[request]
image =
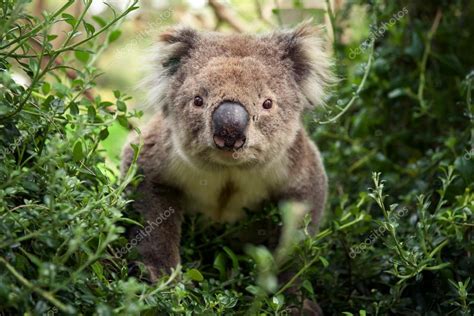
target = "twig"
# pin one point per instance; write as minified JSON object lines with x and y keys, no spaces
{"x":47,"y":295}
{"x":359,"y":89}
{"x":260,"y":13}
{"x":277,"y":7}
{"x":69,"y":72}
{"x":332,"y":20}
{"x":424,"y":60}
{"x":295,"y":277}
{"x":225,"y":14}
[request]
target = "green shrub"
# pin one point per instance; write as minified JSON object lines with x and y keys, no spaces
{"x":398,"y":233}
{"x":60,"y":204}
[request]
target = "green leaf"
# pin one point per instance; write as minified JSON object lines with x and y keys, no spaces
{"x":194,"y":275}
{"x":73,"y":108}
{"x":99,"y":20}
{"x":91,"y":113}
{"x":233,"y":257}
{"x":114,"y":36}
{"x":46,"y":88}
{"x":69,"y":19}
{"x":78,"y":151}
{"x":324,"y":261}
{"x":219,"y":264}
{"x":105,"y":104}
{"x":104,"y":134}
{"x":255,"y":290}
{"x":90,"y":29}
{"x":122,"y":120}
{"x":308,"y":286}
{"x":82,"y":56}
{"x":121,"y":106}
{"x":61,"y":89}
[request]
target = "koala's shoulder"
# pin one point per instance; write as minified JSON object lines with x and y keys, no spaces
{"x":305,"y":161}
{"x":154,"y":143}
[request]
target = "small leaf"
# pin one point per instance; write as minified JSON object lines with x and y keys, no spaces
{"x":219,"y":264}
{"x":69,"y":19}
{"x":99,"y":20}
{"x":78,"y":151}
{"x":105,"y":104}
{"x":104,"y":134}
{"x":91,"y":113}
{"x":122,"y":121}
{"x":121,"y":106}
{"x":90,"y":29}
{"x":114,"y":35}
{"x":255,"y":290}
{"x":82,"y":56}
{"x":308,"y":286}
{"x":396,"y":93}
{"x":51,"y":37}
{"x":73,"y":108}
{"x":324,"y":261}
{"x":195,"y":275}
{"x":233,"y":257}
{"x":46,"y":88}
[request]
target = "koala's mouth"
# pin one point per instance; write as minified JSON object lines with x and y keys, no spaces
{"x":229,"y":143}
{"x":243,"y":157}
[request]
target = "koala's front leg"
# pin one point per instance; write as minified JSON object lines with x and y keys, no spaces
{"x":308,"y":185}
{"x":308,"y":181}
{"x":159,"y":243}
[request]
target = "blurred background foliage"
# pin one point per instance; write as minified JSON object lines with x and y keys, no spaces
{"x":70,"y":73}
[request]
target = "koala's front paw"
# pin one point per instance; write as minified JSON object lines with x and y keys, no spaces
{"x":142,"y":272}
{"x":148,"y":272}
{"x":311,"y":308}
{"x":162,"y":266}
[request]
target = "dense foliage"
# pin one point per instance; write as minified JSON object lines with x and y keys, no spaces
{"x":397,"y":139}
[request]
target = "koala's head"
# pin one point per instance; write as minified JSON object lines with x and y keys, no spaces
{"x":234,"y":99}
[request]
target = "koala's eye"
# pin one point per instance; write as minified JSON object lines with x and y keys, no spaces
{"x":198,"y":101}
{"x":267,"y":104}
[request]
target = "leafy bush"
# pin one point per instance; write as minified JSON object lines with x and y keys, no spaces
{"x":398,"y":146}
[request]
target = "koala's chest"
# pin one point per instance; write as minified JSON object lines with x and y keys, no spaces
{"x":222,"y":196}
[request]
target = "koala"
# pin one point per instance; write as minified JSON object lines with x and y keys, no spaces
{"x":227,"y":132}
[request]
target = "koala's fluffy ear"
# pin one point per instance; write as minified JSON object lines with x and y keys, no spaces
{"x":309,"y":62}
{"x":173,"y":45}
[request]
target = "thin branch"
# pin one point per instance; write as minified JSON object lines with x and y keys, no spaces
{"x":359,"y":89}
{"x":47,"y":295}
{"x":332,"y":20}
{"x":424,"y":60}
{"x":261,"y":14}
{"x":225,"y":14}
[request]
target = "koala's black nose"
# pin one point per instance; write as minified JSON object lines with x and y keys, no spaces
{"x":229,"y":121}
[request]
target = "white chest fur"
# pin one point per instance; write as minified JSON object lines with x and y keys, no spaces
{"x":222,"y":195}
